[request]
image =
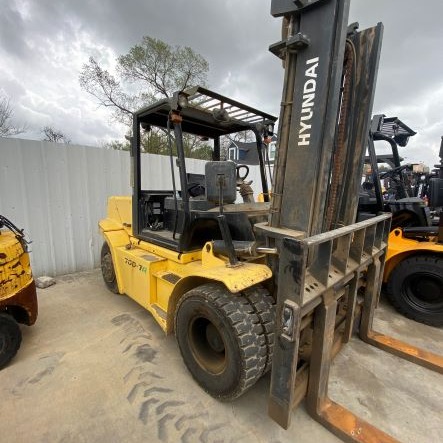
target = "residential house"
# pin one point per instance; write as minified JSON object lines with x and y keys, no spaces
{"x":246,"y":152}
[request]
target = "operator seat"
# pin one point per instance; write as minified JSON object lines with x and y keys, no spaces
{"x":221,"y":174}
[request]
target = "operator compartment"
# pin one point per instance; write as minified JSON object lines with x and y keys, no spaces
{"x":196,"y":207}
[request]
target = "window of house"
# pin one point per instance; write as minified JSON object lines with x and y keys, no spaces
{"x":232,"y":154}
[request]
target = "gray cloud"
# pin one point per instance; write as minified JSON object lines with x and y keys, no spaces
{"x":44,"y":44}
{"x":12,"y":31}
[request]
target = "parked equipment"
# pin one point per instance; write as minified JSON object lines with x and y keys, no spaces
{"x":414,"y":263}
{"x":247,"y":287}
{"x":413,"y":273}
{"x":400,"y":199}
{"x":18,"y":296}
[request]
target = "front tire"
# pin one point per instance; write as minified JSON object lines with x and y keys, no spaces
{"x":415,"y":288}
{"x":108,"y":270}
{"x":10,"y":339}
{"x":221,"y":340}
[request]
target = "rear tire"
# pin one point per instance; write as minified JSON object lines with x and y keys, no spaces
{"x":10,"y":339}
{"x":415,"y":288}
{"x":221,"y":340}
{"x":108,"y":270}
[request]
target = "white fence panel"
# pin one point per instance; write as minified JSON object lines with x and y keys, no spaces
{"x":58,"y":193}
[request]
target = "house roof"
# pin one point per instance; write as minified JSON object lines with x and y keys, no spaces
{"x":249,"y":150}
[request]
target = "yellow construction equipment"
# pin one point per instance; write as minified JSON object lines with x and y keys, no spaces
{"x":251,"y":287}
{"x":18,"y":296}
{"x":413,"y":274}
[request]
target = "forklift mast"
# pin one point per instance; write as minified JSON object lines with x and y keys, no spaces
{"x":326,"y":261}
{"x":313,"y":52}
{"x":328,"y":92}
{"x":325,"y":78}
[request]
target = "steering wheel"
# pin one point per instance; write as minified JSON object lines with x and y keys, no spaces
{"x":394,"y":171}
{"x":239,"y":176}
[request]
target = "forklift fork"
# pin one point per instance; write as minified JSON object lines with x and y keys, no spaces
{"x":390,"y":344}
{"x":323,"y":271}
{"x":332,"y":415}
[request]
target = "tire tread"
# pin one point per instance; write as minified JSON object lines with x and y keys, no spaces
{"x":395,"y":296}
{"x":248,"y":329}
{"x":112,"y":286}
{"x":9,"y":326}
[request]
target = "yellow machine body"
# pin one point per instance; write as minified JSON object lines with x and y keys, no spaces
{"x":156,"y":277}
{"x":17,"y":289}
{"x":400,"y":248}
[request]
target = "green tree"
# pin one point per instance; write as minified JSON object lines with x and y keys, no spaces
{"x":151,"y":70}
{"x":156,"y":142}
{"x":161,"y":69}
{"x":117,"y":145}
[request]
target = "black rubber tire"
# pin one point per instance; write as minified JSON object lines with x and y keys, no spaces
{"x":221,"y":340}
{"x":264,"y":306}
{"x":108,"y":270}
{"x":10,"y":339}
{"x":415,"y":288}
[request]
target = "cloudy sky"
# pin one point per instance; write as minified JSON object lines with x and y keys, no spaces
{"x":44,"y":43}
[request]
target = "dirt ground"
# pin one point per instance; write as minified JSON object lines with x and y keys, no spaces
{"x":97,"y":368}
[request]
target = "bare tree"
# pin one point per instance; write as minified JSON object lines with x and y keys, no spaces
{"x":54,"y":135}
{"x":107,"y":90}
{"x":7,"y":125}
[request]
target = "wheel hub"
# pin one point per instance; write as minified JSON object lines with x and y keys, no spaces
{"x":207,"y":345}
{"x":428,"y":290}
{"x":424,"y":289}
{"x":214,"y":339}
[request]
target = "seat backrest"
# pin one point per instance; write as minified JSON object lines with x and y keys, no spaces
{"x":221,"y":173}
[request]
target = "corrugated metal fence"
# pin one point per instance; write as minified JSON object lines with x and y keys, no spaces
{"x":58,"y":193}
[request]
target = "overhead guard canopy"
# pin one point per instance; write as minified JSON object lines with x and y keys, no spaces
{"x":205,"y":114}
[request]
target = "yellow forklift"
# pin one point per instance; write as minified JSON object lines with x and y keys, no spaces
{"x":413,"y":273}
{"x":18,"y":296}
{"x":414,"y":262}
{"x":278,"y":285}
